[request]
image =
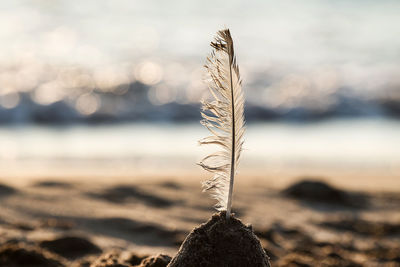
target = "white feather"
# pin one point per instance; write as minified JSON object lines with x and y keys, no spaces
{"x":224,"y":117}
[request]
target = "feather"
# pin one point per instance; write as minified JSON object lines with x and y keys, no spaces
{"x":223,"y":116}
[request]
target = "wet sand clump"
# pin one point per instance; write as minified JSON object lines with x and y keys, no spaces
{"x":221,"y":242}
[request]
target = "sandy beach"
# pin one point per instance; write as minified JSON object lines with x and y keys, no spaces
{"x":152,"y":214}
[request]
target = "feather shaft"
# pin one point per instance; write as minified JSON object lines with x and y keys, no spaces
{"x":233,"y":158}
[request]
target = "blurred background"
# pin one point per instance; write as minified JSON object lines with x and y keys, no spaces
{"x":113,"y":87}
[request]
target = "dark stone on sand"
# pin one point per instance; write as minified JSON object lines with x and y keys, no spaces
{"x":321,"y":192}
{"x":159,"y":260}
{"x":6,"y":190}
{"x":71,"y":247}
{"x":15,"y":255}
{"x":123,"y":194}
{"x":221,"y":242}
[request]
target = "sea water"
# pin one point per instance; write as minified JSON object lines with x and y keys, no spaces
{"x":63,"y":61}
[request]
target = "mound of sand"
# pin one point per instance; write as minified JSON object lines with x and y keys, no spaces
{"x":320,"y":192}
{"x":221,"y":242}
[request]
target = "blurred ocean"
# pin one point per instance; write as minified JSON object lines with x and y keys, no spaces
{"x":63,"y":62}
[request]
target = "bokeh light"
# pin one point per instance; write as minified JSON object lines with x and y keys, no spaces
{"x":149,"y":73}
{"x":87,"y":104}
{"x":48,"y":93}
{"x":9,"y":100}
